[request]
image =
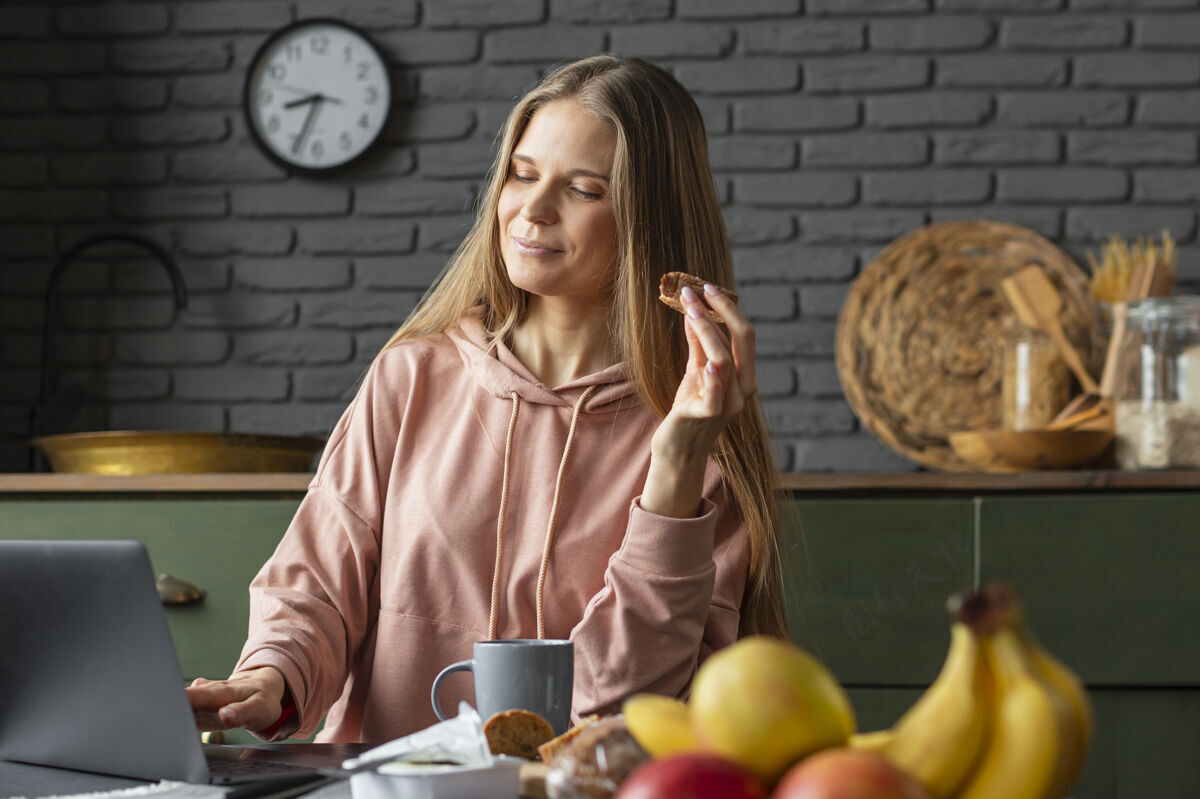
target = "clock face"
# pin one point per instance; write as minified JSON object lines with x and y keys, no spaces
{"x":317,"y":95}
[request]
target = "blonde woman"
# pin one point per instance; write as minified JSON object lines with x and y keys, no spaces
{"x":541,"y":450}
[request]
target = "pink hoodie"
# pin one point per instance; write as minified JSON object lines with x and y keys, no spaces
{"x":385,"y":574}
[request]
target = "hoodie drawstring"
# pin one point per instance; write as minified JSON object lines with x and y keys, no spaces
{"x":494,"y":612}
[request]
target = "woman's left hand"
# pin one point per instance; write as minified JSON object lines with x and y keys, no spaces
{"x":717,"y":384}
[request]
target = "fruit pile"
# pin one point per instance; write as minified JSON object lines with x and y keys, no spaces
{"x":1002,"y":719}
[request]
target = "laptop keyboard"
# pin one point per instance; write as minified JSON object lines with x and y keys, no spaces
{"x":249,"y":768}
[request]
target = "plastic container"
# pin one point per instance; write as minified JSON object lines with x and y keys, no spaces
{"x":1157,"y":390}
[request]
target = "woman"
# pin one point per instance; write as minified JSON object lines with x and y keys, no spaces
{"x":542,"y":449}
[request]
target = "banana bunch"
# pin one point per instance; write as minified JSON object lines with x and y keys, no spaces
{"x":1003,"y":719}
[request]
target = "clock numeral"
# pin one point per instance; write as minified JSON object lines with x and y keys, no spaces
{"x":319,"y":44}
{"x":265,"y":96}
{"x":364,"y":122}
{"x":317,"y":149}
{"x":293,"y":52}
{"x":349,"y":51}
{"x":273,"y":123}
{"x":372,"y":95}
{"x":345,"y":142}
{"x":277,"y":71}
{"x":363,"y":70}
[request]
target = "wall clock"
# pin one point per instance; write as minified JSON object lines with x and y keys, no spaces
{"x":317,"y":95}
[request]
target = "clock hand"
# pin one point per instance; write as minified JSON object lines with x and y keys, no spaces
{"x":312,"y":98}
{"x":308,"y":121}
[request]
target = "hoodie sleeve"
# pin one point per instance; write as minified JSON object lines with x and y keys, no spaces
{"x":671,"y":596}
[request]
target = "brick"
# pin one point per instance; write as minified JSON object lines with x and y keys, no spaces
{"x":808,"y":417}
{"x":775,"y":379}
{"x":98,"y":169}
{"x":148,"y":275}
{"x":1131,"y":147}
{"x":1167,"y":186}
{"x":442,"y":234}
{"x":418,"y":197}
{"x":429,"y":123}
{"x":1069,"y":32}
{"x":1134,"y":5}
{"x":121,"y":385}
{"x":357,"y":311}
{"x":740,"y":76}
{"x":1174,"y":31}
{"x":801,"y":337}
{"x":239,"y":312}
{"x":999,"y":5}
{"x":231,"y":16}
{"x":751,"y":152}
{"x":385,"y":162}
{"x":171,"y":55}
{"x":768,"y":303}
{"x":112,"y":94}
{"x":74,"y":349}
{"x":231,"y":384}
{"x":996,"y":147}
{"x":24,"y":23}
{"x":455,"y":159}
{"x":1063,"y":109}
{"x":20,"y":313}
{"x":116,"y":313}
{"x":277,"y":348}
{"x":1046,"y":221}
{"x":356,"y":236}
{"x":1007,"y":71}
{"x":483,"y":13}
{"x":722,"y":9}
{"x":854,"y":453}
{"x":232,"y":238}
{"x":424,"y":47}
{"x":865,"y":150}
{"x":290,"y":200}
{"x":818,"y":378}
{"x":293,"y":274}
{"x":669,"y":40}
{"x":26,"y":59}
{"x":931,"y":109}
{"x":755,"y":226}
{"x":23,"y":171}
{"x":930,"y":34}
{"x":927,"y":187}
{"x":821,"y":8}
{"x":313,"y":419}
{"x":858,"y":226}
{"x":807,"y":189}
{"x":52,"y":205}
{"x":1061,"y":184}
{"x":598,"y":11}
{"x":415,"y":271}
{"x":866,"y":73}
{"x":369,"y":15}
{"x":112,"y":21}
{"x":1097,"y":224}
{"x":170,"y":347}
{"x":793,"y":262}
{"x":26,"y":240}
{"x":222,"y":91}
{"x":795,"y":112}
{"x":20,"y":96}
{"x":1137,"y":69}
{"x":477,"y":82}
{"x":368,"y":343}
{"x":329,"y":383}
{"x":823,"y":301}
{"x":170,"y":203}
{"x":175,"y":416}
{"x":176,"y":127}
{"x":224,"y":164}
{"x":546,"y":43}
{"x":802,"y":37}
{"x":1176,"y":108}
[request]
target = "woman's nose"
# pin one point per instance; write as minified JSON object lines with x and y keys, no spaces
{"x":539,"y":205}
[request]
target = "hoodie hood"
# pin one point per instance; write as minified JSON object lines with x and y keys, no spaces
{"x":498,"y":372}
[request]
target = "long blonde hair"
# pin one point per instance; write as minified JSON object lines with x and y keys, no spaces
{"x":668,"y":218}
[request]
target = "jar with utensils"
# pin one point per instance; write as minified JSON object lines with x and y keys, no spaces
{"x":1036,"y":382}
{"x":1157,"y":385}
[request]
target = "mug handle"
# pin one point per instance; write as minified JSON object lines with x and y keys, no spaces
{"x":462,"y":665}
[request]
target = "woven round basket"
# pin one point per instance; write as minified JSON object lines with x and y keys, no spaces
{"x":921,"y":336}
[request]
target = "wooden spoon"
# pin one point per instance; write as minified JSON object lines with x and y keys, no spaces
{"x":1037,"y":303}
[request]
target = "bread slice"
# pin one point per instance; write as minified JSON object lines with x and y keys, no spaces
{"x":517,"y":732}
{"x":548,"y":750}
{"x":673,"y":282}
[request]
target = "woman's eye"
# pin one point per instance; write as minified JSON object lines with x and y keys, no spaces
{"x":585,"y":194}
{"x":520,"y":178}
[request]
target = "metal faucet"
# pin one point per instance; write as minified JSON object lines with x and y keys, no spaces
{"x":54,"y":411}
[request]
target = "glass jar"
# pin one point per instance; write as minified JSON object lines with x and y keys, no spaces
{"x":1157,"y":389}
{"x":1036,"y":383}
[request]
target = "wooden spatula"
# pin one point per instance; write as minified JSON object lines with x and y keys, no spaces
{"x":1037,"y":304}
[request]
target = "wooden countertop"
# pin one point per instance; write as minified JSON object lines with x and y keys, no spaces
{"x":803,"y":482}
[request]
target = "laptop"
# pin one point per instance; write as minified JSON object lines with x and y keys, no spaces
{"x":89,"y":679}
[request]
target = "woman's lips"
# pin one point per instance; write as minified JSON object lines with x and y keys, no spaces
{"x":530,"y":247}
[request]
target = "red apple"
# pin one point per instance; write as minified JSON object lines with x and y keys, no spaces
{"x":692,"y":775}
{"x":844,"y":773}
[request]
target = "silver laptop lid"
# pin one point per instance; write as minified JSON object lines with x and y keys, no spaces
{"x":89,"y":679}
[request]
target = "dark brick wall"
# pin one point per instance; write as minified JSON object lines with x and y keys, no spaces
{"x":836,"y":125}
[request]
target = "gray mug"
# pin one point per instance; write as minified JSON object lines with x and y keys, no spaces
{"x":518,"y":673}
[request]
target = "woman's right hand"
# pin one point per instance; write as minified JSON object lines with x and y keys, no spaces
{"x":252,"y":699}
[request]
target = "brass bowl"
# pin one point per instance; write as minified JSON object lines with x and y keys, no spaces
{"x":1026,"y":450}
{"x":167,"y":452}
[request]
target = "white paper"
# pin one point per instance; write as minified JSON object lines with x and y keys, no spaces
{"x":458,"y":740}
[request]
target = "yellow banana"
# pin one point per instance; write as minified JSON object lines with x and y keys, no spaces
{"x":660,"y":724}
{"x":1030,"y":732}
{"x":874,"y":741}
{"x":939,"y":739}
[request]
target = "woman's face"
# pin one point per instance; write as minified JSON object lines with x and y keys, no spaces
{"x":557,"y":229}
